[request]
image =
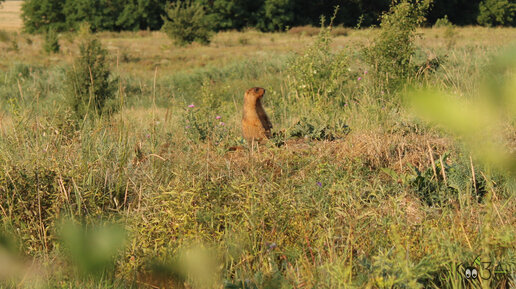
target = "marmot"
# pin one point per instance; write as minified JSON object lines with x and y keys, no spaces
{"x":255,"y":123}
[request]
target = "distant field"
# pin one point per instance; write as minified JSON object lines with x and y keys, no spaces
{"x":10,"y":16}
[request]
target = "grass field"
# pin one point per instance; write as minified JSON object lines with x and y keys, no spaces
{"x":356,"y":191}
{"x":10,"y":16}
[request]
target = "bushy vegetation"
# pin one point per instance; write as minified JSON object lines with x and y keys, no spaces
{"x":186,"y":22}
{"x":89,"y":84}
{"x":497,"y":13}
{"x":51,"y":44}
{"x":319,"y":73}
{"x":355,"y":190}
{"x":392,"y":53}
{"x":443,"y":22}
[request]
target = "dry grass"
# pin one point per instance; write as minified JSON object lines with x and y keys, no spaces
{"x":312,"y":31}
{"x":10,"y":16}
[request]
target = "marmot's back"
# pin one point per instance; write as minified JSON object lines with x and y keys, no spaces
{"x":255,"y":122}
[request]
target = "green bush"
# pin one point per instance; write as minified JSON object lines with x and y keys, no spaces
{"x":186,"y":22}
{"x":51,"y":44}
{"x":391,"y":54}
{"x":89,"y":82}
{"x":497,"y":12}
{"x":319,"y":73}
{"x":443,"y":22}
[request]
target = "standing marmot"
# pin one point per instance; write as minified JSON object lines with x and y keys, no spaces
{"x":255,"y":123}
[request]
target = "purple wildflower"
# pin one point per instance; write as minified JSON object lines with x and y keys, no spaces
{"x":218,"y":117}
{"x":222,"y":123}
{"x":359,"y":78}
{"x":319,"y":184}
{"x":191,"y":105}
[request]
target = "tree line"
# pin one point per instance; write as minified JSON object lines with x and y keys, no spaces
{"x":265,"y":15}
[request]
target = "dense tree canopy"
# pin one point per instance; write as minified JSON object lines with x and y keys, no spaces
{"x":266,"y":15}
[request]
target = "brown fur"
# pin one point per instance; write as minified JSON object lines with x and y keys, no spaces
{"x":256,"y":125}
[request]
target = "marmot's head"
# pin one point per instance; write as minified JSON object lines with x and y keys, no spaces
{"x":254,"y":93}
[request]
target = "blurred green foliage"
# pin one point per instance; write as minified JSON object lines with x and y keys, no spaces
{"x":480,"y":121}
{"x":92,"y":248}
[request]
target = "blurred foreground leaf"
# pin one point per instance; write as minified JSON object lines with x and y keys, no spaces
{"x":93,"y":249}
{"x":484,"y":122}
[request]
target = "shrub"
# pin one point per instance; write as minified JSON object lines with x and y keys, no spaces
{"x":186,"y":22}
{"x":391,"y":54}
{"x":319,"y":73}
{"x":497,"y":12}
{"x":443,"y":22}
{"x":88,"y":81}
{"x":51,"y":44}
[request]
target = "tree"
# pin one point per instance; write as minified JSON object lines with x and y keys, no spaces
{"x":233,"y":14}
{"x":277,"y":14}
{"x":142,"y":14}
{"x":40,"y":15}
{"x":459,"y":12}
{"x":100,"y":14}
{"x":497,"y":12}
{"x":186,"y":22}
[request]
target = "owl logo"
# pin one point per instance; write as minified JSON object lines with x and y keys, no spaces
{"x":471,"y":273}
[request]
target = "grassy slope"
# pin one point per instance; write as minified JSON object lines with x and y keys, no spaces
{"x":310,"y":214}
